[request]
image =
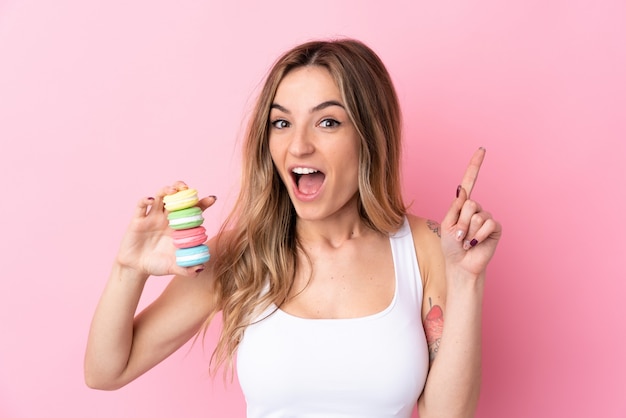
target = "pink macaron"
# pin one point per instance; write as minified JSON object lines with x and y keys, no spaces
{"x":185,"y":238}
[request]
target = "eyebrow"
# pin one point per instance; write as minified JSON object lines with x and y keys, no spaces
{"x":317,"y":108}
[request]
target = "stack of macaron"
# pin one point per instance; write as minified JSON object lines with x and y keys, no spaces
{"x":185,"y":218}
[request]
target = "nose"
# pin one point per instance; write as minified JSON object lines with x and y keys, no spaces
{"x":301,"y":143}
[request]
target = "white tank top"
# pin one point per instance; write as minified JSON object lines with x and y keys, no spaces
{"x":373,"y":366}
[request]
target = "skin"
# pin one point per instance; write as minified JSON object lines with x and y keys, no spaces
{"x":311,"y":128}
{"x":353,"y":275}
{"x":453,"y":384}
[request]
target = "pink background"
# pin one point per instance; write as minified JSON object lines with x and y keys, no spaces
{"x":102,"y":102}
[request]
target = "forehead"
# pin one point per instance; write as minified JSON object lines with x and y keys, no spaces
{"x":309,"y":84}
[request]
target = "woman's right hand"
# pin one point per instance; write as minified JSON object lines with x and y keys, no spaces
{"x":147,"y":244}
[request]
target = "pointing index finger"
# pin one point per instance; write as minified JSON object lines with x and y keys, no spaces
{"x":471,"y":174}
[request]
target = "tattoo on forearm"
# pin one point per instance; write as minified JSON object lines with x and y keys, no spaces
{"x":433,"y":327}
{"x":434,"y":226}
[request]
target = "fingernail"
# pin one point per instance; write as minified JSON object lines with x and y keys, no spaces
{"x":151,"y":198}
{"x":467,"y":245}
{"x":473,"y":242}
{"x":458,"y":190}
{"x":459,"y":234}
{"x":214,"y":197}
{"x":199,"y":269}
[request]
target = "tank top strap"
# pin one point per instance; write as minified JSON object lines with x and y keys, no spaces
{"x":408,"y":277}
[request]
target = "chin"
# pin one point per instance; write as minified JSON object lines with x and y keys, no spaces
{"x":309,"y":215}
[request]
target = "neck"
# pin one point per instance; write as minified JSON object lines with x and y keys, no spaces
{"x":334,"y":230}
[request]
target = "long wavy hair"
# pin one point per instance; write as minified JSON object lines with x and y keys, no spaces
{"x":255,"y":252}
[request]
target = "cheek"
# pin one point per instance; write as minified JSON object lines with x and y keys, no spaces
{"x":275,"y":152}
{"x":351,"y":172}
{"x":355,"y":158}
{"x":356,"y":163}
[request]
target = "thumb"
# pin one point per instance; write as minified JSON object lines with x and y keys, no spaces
{"x":192,"y":271}
{"x":206,"y":202}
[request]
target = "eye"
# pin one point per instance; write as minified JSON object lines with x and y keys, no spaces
{"x":280,"y":124}
{"x":329,"y":123}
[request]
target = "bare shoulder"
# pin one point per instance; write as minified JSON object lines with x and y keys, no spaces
{"x":427,"y":238}
{"x":426,"y":232}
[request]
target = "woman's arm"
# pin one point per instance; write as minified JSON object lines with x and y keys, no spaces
{"x":120,"y":346}
{"x":453,"y":295}
{"x":452,"y":322}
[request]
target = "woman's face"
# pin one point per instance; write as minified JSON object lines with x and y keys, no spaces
{"x":313,"y":143}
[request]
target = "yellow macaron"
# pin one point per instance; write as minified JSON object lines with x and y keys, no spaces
{"x":181,"y":200}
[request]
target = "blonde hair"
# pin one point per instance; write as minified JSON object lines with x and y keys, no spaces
{"x":255,"y":254}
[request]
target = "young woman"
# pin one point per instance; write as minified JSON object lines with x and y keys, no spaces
{"x":332,"y":296}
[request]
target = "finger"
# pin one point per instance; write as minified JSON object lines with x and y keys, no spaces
{"x":452,"y":216}
{"x":158,"y":197}
{"x":144,"y":206}
{"x":189,"y":271}
{"x":489,"y":229}
{"x":476,"y":223}
{"x":206,"y":202}
{"x":468,"y":213}
{"x":180,"y":185}
{"x":471,"y":173}
{"x":167,"y":190}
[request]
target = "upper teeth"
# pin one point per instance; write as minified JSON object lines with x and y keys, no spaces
{"x":304,"y":170}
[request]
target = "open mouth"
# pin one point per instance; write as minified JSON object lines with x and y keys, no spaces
{"x":307,"y":180}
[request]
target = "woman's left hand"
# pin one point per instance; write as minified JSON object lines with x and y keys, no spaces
{"x":469,"y":234}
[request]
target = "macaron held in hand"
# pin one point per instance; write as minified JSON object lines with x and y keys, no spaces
{"x":182,"y":199}
{"x":185,"y":218}
{"x":193,"y":256}
{"x":186,"y":238}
